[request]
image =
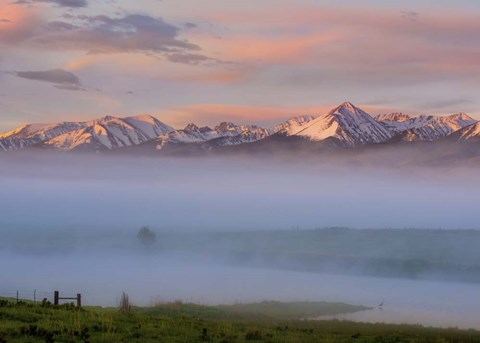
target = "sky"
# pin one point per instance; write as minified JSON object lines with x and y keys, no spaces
{"x":251,"y":61}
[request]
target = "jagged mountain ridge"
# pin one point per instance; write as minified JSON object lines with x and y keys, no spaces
{"x":109,"y":133}
{"x":469,"y":134}
{"x":292,"y":125}
{"x":344,"y":126}
{"x":30,"y":134}
{"x":424,"y":128}
{"x":223,"y":134}
{"x":100,"y":134}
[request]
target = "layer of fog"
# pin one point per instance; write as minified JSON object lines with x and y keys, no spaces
{"x":224,"y":194}
{"x":82,"y":198}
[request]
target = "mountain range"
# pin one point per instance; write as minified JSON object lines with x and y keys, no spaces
{"x":345,"y":126}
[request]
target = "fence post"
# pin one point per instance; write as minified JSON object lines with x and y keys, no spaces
{"x":17,"y":297}
{"x":79,"y":300}
{"x":35,"y":296}
{"x":55,"y":298}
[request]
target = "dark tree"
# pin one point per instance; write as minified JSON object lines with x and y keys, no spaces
{"x":146,"y":236}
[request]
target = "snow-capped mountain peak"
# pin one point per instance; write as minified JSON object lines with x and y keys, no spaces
{"x":225,"y":127}
{"x":149,"y":125}
{"x":105,"y":133}
{"x":191,"y":127}
{"x":397,"y":117}
{"x":107,"y":118}
{"x":469,"y":134}
{"x":347,"y":108}
{"x":292,"y":125}
{"x":225,"y":133}
{"x":461,"y":116}
{"x":461,"y":119}
{"x":30,"y":134}
{"x":425,"y":127}
{"x":345,"y":125}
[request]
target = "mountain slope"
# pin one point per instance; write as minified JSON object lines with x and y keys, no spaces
{"x":28,"y":135}
{"x":109,"y":133}
{"x":292,"y":125}
{"x":93,"y":138}
{"x":395,"y":122}
{"x":469,"y":134}
{"x":346,"y":125}
{"x":150,"y":126}
{"x":223,"y":134}
{"x":424,"y":128}
{"x":104,"y":133}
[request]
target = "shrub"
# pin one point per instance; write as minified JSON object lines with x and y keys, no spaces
{"x":125,"y":306}
{"x":146,"y":236}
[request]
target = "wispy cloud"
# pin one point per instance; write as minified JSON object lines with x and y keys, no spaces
{"x":18,"y":23}
{"x":446,"y":104}
{"x":410,"y":15}
{"x":62,"y":3}
{"x":190,"y":25}
{"x":187,"y":58}
{"x":61,"y":79}
{"x":352,"y":37}
{"x":102,"y":34}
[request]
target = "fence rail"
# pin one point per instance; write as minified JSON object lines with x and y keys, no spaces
{"x":35,"y":296}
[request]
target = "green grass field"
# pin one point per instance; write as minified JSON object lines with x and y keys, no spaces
{"x":179,"y":322}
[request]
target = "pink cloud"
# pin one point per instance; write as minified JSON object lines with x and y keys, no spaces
{"x":289,"y":49}
{"x":18,"y":23}
{"x":352,"y":37}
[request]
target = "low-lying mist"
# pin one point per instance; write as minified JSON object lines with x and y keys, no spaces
{"x":243,"y":229}
{"x":120,"y":193}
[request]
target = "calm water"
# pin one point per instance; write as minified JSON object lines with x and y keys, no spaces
{"x":102,"y":278}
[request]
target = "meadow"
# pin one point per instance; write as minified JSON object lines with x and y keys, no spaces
{"x":182,"y":322}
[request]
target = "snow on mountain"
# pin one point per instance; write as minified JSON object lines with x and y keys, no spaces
{"x":223,"y":134}
{"x":110,"y":133}
{"x":346,"y":125}
{"x":243,"y":134}
{"x":31,"y":134}
{"x":469,"y":134}
{"x":104,"y":133}
{"x":425,"y":128}
{"x":190,"y":134}
{"x":395,"y":122}
{"x":150,"y":126}
{"x":395,"y":117}
{"x":9,"y":144}
{"x":94,"y":137}
{"x":292,"y":125}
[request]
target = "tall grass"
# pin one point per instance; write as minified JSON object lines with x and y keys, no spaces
{"x":193,"y":323}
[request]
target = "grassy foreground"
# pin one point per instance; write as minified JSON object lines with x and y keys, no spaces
{"x":178,"y":322}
